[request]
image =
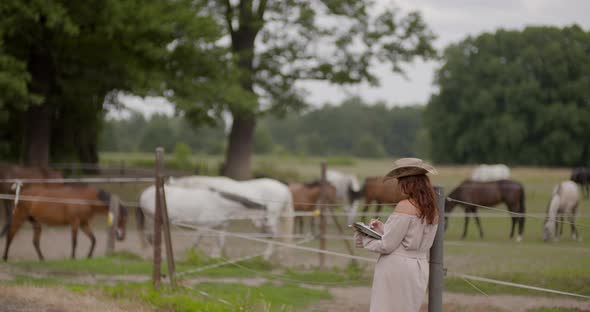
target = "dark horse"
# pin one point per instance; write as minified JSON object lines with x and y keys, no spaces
{"x":581,"y":176}
{"x":489,"y":194}
{"x":382,"y":193}
{"x":73,"y":205}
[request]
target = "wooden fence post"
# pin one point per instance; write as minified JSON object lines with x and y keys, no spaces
{"x":322,"y":214}
{"x":157,"y":239}
{"x":165,"y":221}
{"x":437,"y":274}
{"x":113,"y":219}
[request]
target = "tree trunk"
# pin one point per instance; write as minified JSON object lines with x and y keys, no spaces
{"x":239,"y":151}
{"x":38,"y":136}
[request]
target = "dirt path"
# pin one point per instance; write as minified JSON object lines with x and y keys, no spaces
{"x":56,"y":299}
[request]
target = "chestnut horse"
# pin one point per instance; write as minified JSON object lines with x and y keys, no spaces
{"x":305,"y":197}
{"x":489,"y":194}
{"x":10,"y":171}
{"x":61,"y":204}
{"x":381,"y":192}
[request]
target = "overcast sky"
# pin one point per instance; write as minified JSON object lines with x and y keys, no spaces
{"x":451,"y":21}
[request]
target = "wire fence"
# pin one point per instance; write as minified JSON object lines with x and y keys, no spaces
{"x":373,"y":260}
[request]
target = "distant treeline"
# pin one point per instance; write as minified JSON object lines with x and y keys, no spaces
{"x":353,"y":128}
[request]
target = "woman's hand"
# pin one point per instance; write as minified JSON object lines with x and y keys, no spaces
{"x":377,"y":225}
{"x":358,"y":239}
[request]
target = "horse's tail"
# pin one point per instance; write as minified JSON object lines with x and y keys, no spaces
{"x":8,"y":214}
{"x":140,"y":221}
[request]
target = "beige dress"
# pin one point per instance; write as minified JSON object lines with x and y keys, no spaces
{"x":401,"y":272}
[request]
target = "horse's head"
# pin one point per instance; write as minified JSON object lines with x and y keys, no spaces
{"x":548,"y":231}
{"x":121,"y":222}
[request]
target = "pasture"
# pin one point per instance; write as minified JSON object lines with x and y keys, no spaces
{"x":296,"y":283}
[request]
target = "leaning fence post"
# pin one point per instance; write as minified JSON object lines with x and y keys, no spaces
{"x":156,"y":273}
{"x":165,"y":221}
{"x":435,"y":283}
{"x":113,"y":219}
{"x":322,"y":200}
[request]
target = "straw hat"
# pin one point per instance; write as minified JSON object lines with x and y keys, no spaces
{"x":404,"y":167}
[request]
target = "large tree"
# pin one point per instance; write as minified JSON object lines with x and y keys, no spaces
{"x":60,"y":60}
{"x":275,"y":44}
{"x":518,"y":97}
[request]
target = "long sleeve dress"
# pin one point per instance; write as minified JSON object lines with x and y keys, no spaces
{"x":401,"y":272}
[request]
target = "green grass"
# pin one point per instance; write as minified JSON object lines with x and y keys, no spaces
{"x":561,"y":265}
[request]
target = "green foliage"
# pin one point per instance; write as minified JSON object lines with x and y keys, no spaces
{"x":518,"y":97}
{"x":182,"y":154}
{"x":68,"y":58}
{"x":137,"y":134}
{"x":352,"y":128}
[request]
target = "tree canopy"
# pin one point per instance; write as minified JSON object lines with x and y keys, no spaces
{"x":275,"y":44}
{"x":61,"y":60}
{"x":519,"y":97}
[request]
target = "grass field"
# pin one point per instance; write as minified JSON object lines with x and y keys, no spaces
{"x":562,"y":265}
{"x":559,"y":265}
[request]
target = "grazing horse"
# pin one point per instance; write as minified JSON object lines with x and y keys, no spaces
{"x":489,"y":173}
{"x":10,"y":171}
{"x":305,"y":197}
{"x":194,"y":207}
{"x":382,"y":192}
{"x":489,"y":194}
{"x":564,"y":202}
{"x":346,"y":186}
{"x":581,"y":176}
{"x":73,"y":205}
{"x":273,"y":195}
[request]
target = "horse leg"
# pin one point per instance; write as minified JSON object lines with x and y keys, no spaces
{"x":559,"y":226}
{"x":86,"y":229}
{"x":466,"y":224}
{"x":17,"y":220}
{"x":365,"y":209}
{"x":478,"y":224}
{"x":312,"y":225}
{"x":75,"y":226}
{"x":520,"y":228}
{"x":571,"y":219}
{"x":220,"y":244}
{"x":37,"y":238}
{"x":514,"y":221}
{"x":299,"y":223}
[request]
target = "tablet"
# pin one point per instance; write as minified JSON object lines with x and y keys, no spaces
{"x":367,"y":230}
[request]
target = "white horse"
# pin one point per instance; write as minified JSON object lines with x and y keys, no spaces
{"x":192,"y":207}
{"x":564,"y":203}
{"x":489,"y":173}
{"x":272,"y":194}
{"x":346,"y":186}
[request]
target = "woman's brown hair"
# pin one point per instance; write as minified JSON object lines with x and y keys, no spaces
{"x":421,"y":194}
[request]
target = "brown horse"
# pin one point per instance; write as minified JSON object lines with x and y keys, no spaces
{"x":305,"y":197}
{"x":381,"y":192}
{"x":73,"y":205}
{"x":10,"y":171}
{"x":489,"y":194}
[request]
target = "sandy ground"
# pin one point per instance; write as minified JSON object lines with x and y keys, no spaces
{"x":55,"y":299}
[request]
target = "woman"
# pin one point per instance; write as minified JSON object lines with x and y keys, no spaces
{"x":401,"y":273}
